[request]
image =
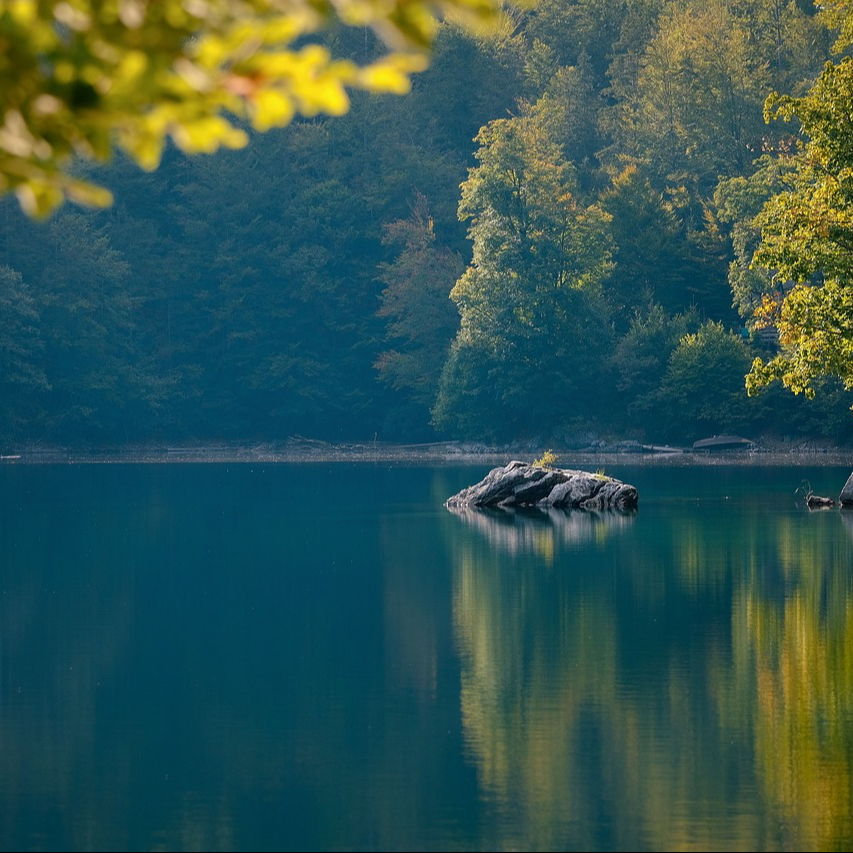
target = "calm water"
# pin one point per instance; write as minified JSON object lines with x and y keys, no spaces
{"x":229,"y":657}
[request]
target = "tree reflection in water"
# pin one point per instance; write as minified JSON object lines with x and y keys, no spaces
{"x":686,"y":683}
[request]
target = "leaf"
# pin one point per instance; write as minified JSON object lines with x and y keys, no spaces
{"x":89,"y":195}
{"x":271,"y":108}
{"x":391,"y":74}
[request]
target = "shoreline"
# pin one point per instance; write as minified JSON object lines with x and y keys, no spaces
{"x":443,"y":453}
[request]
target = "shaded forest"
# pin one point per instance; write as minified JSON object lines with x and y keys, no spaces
{"x":550,"y":236}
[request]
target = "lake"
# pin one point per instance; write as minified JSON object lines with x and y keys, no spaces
{"x":322,"y":657}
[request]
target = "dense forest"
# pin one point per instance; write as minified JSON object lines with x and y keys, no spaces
{"x":550,"y":236}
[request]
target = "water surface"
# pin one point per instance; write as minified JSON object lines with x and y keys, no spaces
{"x":259,"y":657}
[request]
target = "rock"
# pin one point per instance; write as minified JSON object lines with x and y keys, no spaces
{"x":847,"y":492}
{"x":521,"y":484}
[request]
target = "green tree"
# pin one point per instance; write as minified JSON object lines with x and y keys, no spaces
{"x":639,"y":361}
{"x":280,"y":326}
{"x":79,"y":284}
{"x":738,"y":202}
{"x":652,"y":253}
{"x":702,"y":390}
{"x":99,"y":386}
{"x":786,"y":37}
{"x":694,"y":105}
{"x":420,"y":317}
{"x":471,"y":80}
{"x":806,"y":240}
{"x":572,"y":103}
{"x":22,"y":376}
{"x":253,"y":276}
{"x":570,"y":28}
{"x":77,"y":76}
{"x":533,"y":321}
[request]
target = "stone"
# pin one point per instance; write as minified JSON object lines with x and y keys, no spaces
{"x":847,"y":492}
{"x":522,"y":484}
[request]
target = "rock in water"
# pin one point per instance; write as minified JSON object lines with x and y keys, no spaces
{"x":847,"y":492}
{"x":520,"y":484}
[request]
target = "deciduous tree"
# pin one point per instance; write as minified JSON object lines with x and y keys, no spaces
{"x":416,"y":304}
{"x":806,"y":241}
{"x":714,"y":360}
{"x":696,"y":104}
{"x":528,"y":355}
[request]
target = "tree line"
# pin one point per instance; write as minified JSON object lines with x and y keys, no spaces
{"x":553,"y":233}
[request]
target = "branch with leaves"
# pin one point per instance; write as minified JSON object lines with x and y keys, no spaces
{"x":79,"y":76}
{"x":806,"y":232}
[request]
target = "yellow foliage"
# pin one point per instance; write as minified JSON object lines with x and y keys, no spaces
{"x":79,"y":76}
{"x":547,"y":460}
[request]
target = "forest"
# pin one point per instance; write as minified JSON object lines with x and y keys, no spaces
{"x":570,"y":226}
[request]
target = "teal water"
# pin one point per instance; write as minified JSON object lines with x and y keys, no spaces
{"x":322,"y":657}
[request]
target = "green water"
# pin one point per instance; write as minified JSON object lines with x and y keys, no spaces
{"x":322,"y":657}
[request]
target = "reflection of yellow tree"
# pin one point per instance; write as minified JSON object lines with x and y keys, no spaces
{"x":520,"y":713}
{"x":561,"y":743}
{"x":737,"y":739}
{"x":796,"y":653}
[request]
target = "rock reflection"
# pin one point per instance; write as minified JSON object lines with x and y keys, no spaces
{"x":847,"y":521}
{"x":536,"y":531}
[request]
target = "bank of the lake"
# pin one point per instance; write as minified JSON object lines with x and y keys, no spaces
{"x":432,"y":453}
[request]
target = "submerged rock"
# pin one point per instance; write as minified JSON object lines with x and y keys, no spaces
{"x":521,"y":484}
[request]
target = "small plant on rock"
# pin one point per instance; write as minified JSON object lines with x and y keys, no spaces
{"x":546,"y":460}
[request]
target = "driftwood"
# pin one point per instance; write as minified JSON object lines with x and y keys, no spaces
{"x":818,"y":501}
{"x":814,"y":501}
